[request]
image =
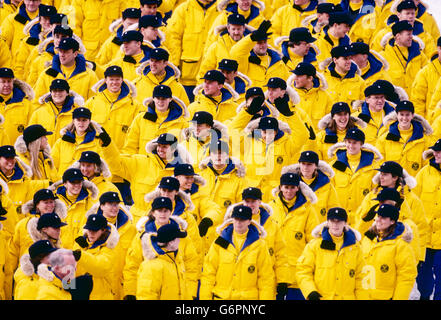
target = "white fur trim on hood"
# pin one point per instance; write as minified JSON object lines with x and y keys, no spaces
{"x":262,"y":232}
{"x":89,"y":185}
{"x":182,"y":151}
{"x":222,"y":4}
{"x":131,"y":86}
{"x":185,"y":112}
{"x":25,"y":87}
{"x":149,"y":197}
{"x":427,"y":155}
{"x":322,"y":166}
{"x":408,"y":179}
{"x":317,"y":231}
{"x":26,"y":168}
{"x":143,"y":65}
{"x":230,"y":209}
{"x":217,"y":125}
{"x":367,"y":147}
{"x":198,"y":89}
{"x":240,"y":167}
{"x":26,"y":265}
{"x":112,"y":239}
{"x":326,"y":121}
{"x":254,"y":124}
{"x":70,"y":127}
{"x":78,"y":99}
{"x":35,"y":234}
{"x":102,"y":169}
{"x":385,"y":40}
{"x":304,"y":189}
{"x":60,"y":208}
{"x":392,"y":117}
{"x":4,"y":186}
{"x":323,"y":83}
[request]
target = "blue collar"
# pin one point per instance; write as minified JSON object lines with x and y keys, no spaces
{"x":417,"y":133}
{"x":364,"y":10}
{"x":169,"y":72}
{"x":300,"y":200}
{"x":22,"y":12}
{"x":311,"y":7}
{"x":366,"y":159}
{"x":345,"y":41}
{"x":375,"y":66}
{"x":121,"y":219}
{"x":101,"y":241}
{"x":89,"y":137}
{"x":239,"y":85}
{"x":310,"y":57}
{"x":80,"y":65}
{"x":399,"y":230}
{"x":83,"y":193}
{"x":252,"y":235}
{"x":421,"y":9}
{"x":35,"y":30}
{"x":67,"y":106}
{"x":180,"y":206}
{"x":320,"y":180}
{"x":225,"y":95}
{"x":351,"y":73}
{"x":414,"y":50}
{"x":150,"y":225}
{"x":349,"y":237}
{"x":125,"y":91}
{"x":17,"y":96}
{"x":175,"y":111}
{"x":264,"y":216}
{"x":434,"y":164}
{"x":18,"y":173}
{"x":50,"y":48}
{"x":229,"y":168}
{"x":365,"y":110}
{"x":194,"y":189}
{"x":274,"y":56}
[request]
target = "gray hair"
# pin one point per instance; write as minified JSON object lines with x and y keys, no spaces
{"x":56,"y":258}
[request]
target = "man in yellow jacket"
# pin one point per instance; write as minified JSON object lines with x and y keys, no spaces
{"x":428,"y":186}
{"x":251,"y":276}
{"x":237,"y":80}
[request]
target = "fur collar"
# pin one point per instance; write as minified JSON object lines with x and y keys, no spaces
{"x":78,"y":100}
{"x":26,"y":265}
{"x":254,"y":124}
{"x":26,"y":168}
{"x":21,"y":148}
{"x":103,"y":168}
{"x":4,"y":186}
{"x":407,"y":235}
{"x":317,"y":231}
{"x":217,"y":125}
{"x":385,"y":40}
{"x":89,"y":185}
{"x":185,"y":113}
{"x":392,"y":117}
{"x":198,"y":90}
{"x":326,"y":121}
{"x":367,"y":147}
{"x":26,"y":88}
{"x":44,"y":272}
{"x":143,"y":220}
{"x":322,"y":166}
{"x":143,"y":65}
{"x":183,"y":153}
{"x":93,"y":124}
{"x":240,"y":167}
{"x":183,"y":195}
{"x":2,"y":119}
{"x":60,"y":208}
{"x":112,"y":239}
{"x":35,"y":234}
{"x":131,"y":86}
{"x":304,"y":188}
{"x":262,"y":232}
{"x":427,"y":155}
{"x":410,"y":181}
{"x":230,"y":209}
{"x":323,"y":83}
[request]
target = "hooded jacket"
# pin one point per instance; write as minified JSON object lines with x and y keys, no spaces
{"x":390,"y":264}
{"x":230,"y":273}
{"x":407,"y":153}
{"x":291,"y":59}
{"x":17,"y":109}
{"x":337,"y":274}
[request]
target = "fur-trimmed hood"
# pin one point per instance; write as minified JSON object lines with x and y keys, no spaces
{"x":4,"y":187}
{"x":406,"y":235}
{"x":222,"y":4}
{"x":142,"y":66}
{"x":35,"y":234}
{"x":183,"y":153}
{"x":366,"y":147}
{"x":254,"y":124}
{"x":323,"y":166}
{"x":181,"y":103}
{"x":96,"y":206}
{"x":327,"y":62}
{"x":388,"y":36}
{"x":230,"y":209}
{"x":26,"y":168}
{"x":427,"y":155}
{"x":102,"y":169}
{"x":21,"y":147}
{"x":304,"y":189}
{"x":25,"y":87}
{"x":198,"y":90}
{"x":408,"y":179}
{"x":89,"y":185}
{"x":222,"y":27}
{"x":93,"y":125}
{"x":327,"y":119}
{"x":227,"y":222}
{"x":395,"y":4}
{"x":95,"y":88}
{"x":275,"y":113}
{"x":317,"y":231}
{"x":322,"y":86}
{"x":240,"y":167}
{"x":392,"y":117}
{"x":44,"y":43}
{"x":149,"y":197}
{"x":26,"y":265}
{"x":78,"y":99}
{"x":113,"y":238}
{"x":60,"y":208}
{"x":217,"y":125}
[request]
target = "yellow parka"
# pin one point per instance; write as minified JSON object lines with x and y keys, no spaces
{"x":49,"y":286}
{"x":25,"y":280}
{"x":290,"y":58}
{"x":390,"y":264}
{"x":335,"y":273}
{"x":231,"y":273}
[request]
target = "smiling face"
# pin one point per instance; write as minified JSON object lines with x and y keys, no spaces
{"x":235,"y":31}
{"x":6,"y":86}
{"x":437,"y":155}
{"x":288,"y":191}
{"x":114,"y":83}
{"x":261,"y":47}
{"x":161,"y":103}
{"x":59,"y":96}
{"x":341,"y":119}
{"x":164,"y":151}
{"x":342,"y":64}
{"x":404,"y":119}
{"x":45,"y":206}
{"x":162,"y":216}
{"x":387,"y":180}
{"x":185,"y":182}
{"x":376,"y":102}
{"x":110,"y":209}
{"x":383,"y":223}
{"x":254,"y":204}
{"x":93,"y":236}
{"x":73,"y":187}
{"x":336,"y":227}
{"x":308,"y":169}
{"x":404,"y":38}
{"x":353,"y":146}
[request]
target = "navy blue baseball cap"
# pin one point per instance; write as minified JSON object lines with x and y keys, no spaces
{"x":183,"y":169}
{"x":237,"y":19}
{"x":72,"y":174}
{"x":50,"y":220}
{"x":69,"y":43}
{"x":436,"y":146}
{"x":268,"y":123}
{"x":388,"y":194}
{"x":6,"y":73}
{"x":43,"y":194}
{"x":391,"y":167}
{"x":59,"y":84}
{"x":228,"y":64}
{"x":34,"y":132}
{"x":167,"y":138}
{"x":340,"y":107}
{"x":242,"y":212}
{"x":252,"y":193}
{"x":134,"y":13}
{"x":162,"y":91}
{"x":309,"y":156}
{"x":276,"y":82}
{"x":254,"y":91}
{"x":162,"y":202}
{"x":159,"y":54}
{"x":290,"y":179}
{"x":214,"y":75}
{"x":7,"y":151}
{"x":114,"y":71}
{"x":109,"y":196}
{"x":355,"y":134}
{"x":95,"y":222}
{"x":81,"y":113}
{"x":64,"y":30}
{"x":388,"y":211}
{"x":219,"y":145}
{"x":41,"y":247}
{"x":341,"y":51}
{"x":337,"y":213}
{"x":305,"y":68}
{"x":301,"y":34}
{"x":90,"y":157}
{"x":150,"y":21}
{"x":46,"y":10}
{"x":168,"y":232}
{"x":405,"y":105}
{"x":203,"y":117}
{"x":132,"y":35}
{"x":169,"y":183}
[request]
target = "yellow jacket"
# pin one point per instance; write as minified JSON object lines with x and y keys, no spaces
{"x":233,"y":274}
{"x":49,"y":286}
{"x":290,"y":58}
{"x":390,"y":264}
{"x":335,"y":273}
{"x":25,"y":280}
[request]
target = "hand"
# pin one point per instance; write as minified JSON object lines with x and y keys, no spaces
{"x":371,"y":213}
{"x":262,"y":32}
{"x":104,"y":137}
{"x":82,"y":241}
{"x":3,"y":211}
{"x":76,"y":254}
{"x":314,"y":296}
{"x":129,"y":297}
{"x":255,"y":105}
{"x":282,"y":289}
{"x":282,"y":105}
{"x":204,"y":225}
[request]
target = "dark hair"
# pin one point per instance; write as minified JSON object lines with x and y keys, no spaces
{"x":387,"y":232}
{"x":399,"y":183}
{"x":333,"y":125}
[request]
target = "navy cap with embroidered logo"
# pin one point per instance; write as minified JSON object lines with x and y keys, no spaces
{"x":236,"y":19}
{"x":59,"y":18}
{"x":162,"y":91}
{"x":50,"y":220}
{"x":219,"y":145}
{"x":64,"y":30}
{"x":301,"y":34}
{"x":309,"y":156}
{"x":72,"y":175}
{"x":436,"y":146}
{"x":46,"y":10}
{"x":391,"y":167}
{"x":388,"y":194}
{"x":167,"y":233}
{"x":150,"y":21}
{"x":337,"y":213}
{"x":113,"y":71}
{"x":405,"y":105}
{"x":254,"y":91}
{"x":377,"y":88}
{"x":289,"y":179}
{"x":133,"y":13}
{"x":183,"y":169}
{"x":43,"y":194}
{"x":41,"y":247}
{"x":242,"y":212}
{"x":325,"y":7}
{"x":132,"y":35}
{"x":161,"y":203}
{"x":339,"y":17}
{"x":34,"y":132}
{"x":81,"y":113}
{"x":203,"y":117}
{"x":252,"y":193}
{"x":355,"y":134}
{"x":268,"y":123}
{"x":341,"y":51}
{"x":276,"y":82}
{"x":214,"y":75}
{"x":109,"y":196}
{"x":400,"y":26}
{"x":90,"y":157}
{"x":406,"y":4}
{"x":145,"y":2}
{"x":388,"y":211}
{"x":68,"y":44}
{"x":169,"y":183}
{"x":305,"y":68}
{"x":340,"y":107}
{"x":359,"y":48}
{"x":59,"y":84}
{"x":6,"y":73}
{"x":167,"y":138}
{"x":7,"y":151}
{"x":95,"y":222}
{"x":228,"y":64}
{"x":159,"y":54}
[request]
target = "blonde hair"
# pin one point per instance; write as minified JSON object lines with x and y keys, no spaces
{"x":34,"y":152}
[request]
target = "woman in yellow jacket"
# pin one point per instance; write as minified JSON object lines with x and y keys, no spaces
{"x":238,"y":265}
{"x":354,"y":163}
{"x":33,"y":147}
{"x":293,"y":210}
{"x":165,"y":114}
{"x":3,"y":262}
{"x":161,"y":274}
{"x":78,"y":136}
{"x":331,"y":266}
{"x":97,"y":254}
{"x":390,"y":262}
{"x":407,"y":137}
{"x":159,"y":215}
{"x":333,"y":127}
{"x":317,"y":174}
{"x":55,"y":108}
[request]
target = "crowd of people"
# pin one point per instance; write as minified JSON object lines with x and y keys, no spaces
{"x":219,"y":149}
